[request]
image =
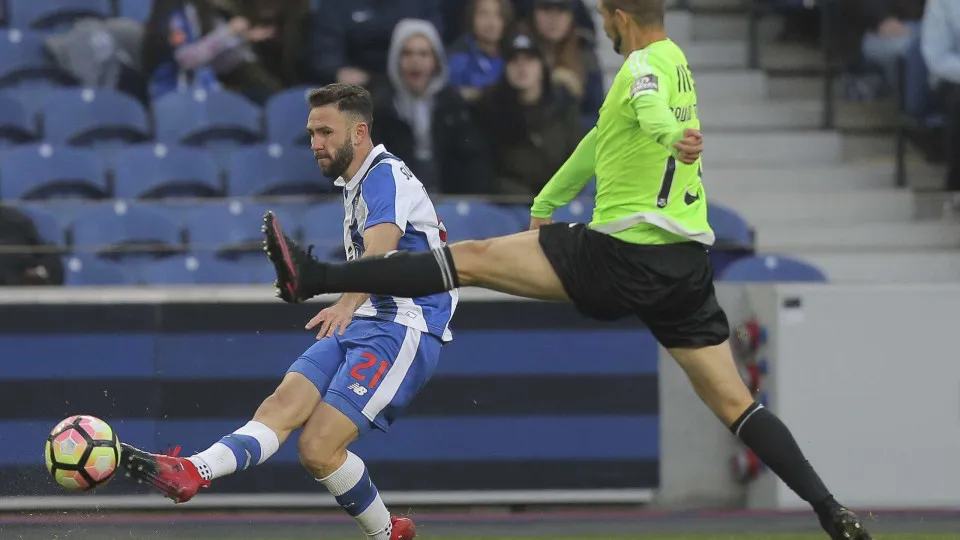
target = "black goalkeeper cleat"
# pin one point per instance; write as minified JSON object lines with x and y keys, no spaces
{"x":842,"y":524}
{"x":288,"y":259}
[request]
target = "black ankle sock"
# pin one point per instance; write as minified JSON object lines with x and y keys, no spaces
{"x":401,"y":273}
{"x":768,"y":437}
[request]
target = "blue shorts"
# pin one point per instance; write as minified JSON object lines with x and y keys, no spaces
{"x":371,"y":372}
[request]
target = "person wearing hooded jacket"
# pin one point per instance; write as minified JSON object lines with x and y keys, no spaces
{"x":424,"y":121}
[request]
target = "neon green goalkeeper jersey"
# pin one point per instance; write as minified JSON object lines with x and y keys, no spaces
{"x":645,"y":195}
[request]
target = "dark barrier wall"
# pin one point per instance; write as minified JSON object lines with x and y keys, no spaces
{"x":528,"y":395}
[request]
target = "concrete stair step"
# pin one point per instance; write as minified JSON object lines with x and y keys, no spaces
{"x":759,"y":116}
{"x":812,"y":208}
{"x":860,"y":237}
{"x":728,"y":182}
{"x":773,"y":149}
{"x":898,"y":266}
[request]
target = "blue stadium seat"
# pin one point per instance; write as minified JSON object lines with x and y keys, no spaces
{"x":322,"y":227}
{"x":275,"y":170}
{"x":475,"y":220}
{"x":202,"y":118}
{"x":729,"y":228}
{"x":86,"y":269}
{"x":23,"y":60}
{"x":43,"y":171}
{"x":16,"y":127}
{"x":231,"y":229}
{"x":772,"y":268}
{"x":200,"y":268}
{"x":54,"y":14}
{"x":286,"y":115}
{"x":157,"y":171}
{"x":138,"y":10}
{"x":577,"y":211}
{"x":86,"y":117}
{"x":46,"y":222}
{"x":128,"y":230}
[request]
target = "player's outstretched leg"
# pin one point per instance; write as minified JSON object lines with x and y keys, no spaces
{"x":512,"y":264}
{"x":713,"y":374}
{"x":180,"y":478}
{"x":324,"y":454}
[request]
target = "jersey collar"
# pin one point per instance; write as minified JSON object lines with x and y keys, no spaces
{"x":362,"y":171}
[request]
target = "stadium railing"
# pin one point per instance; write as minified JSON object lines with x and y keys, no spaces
{"x":757,"y":10}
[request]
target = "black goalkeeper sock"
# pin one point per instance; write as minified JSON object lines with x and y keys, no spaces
{"x":400,"y":273}
{"x":771,"y":440}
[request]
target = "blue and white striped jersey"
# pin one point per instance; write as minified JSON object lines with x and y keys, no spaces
{"x":384,"y":190}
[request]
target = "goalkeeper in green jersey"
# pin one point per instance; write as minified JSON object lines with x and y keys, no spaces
{"x":644,"y":254}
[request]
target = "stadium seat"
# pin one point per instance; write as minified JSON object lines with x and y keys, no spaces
{"x":231,"y":229}
{"x":475,"y":220}
{"x":46,"y":222}
{"x":125,"y":230}
{"x":729,"y":228}
{"x":16,"y":126}
{"x":202,"y":118}
{"x":322,"y":227}
{"x":275,"y":170}
{"x":24,"y":61}
{"x":158,"y":171}
{"x":88,"y":117}
{"x":201,"y":268}
{"x":54,"y":14}
{"x":286,"y":115}
{"x":772,"y":268}
{"x":42,"y":171}
{"x":577,"y":211}
{"x":86,"y":269}
{"x":138,"y":10}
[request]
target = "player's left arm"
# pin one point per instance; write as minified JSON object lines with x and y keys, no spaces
{"x":650,"y":100}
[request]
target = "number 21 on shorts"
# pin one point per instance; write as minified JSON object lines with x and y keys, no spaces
{"x":363,"y":373}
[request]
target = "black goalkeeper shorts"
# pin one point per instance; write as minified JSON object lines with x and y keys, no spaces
{"x":669,"y":287}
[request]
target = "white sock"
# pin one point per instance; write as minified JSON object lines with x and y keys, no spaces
{"x":252,"y":444}
{"x":356,"y":494}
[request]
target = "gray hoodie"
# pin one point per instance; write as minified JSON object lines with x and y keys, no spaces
{"x":417,"y":110}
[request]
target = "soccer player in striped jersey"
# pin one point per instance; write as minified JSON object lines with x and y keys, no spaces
{"x":374,"y":353}
{"x":644,"y":254}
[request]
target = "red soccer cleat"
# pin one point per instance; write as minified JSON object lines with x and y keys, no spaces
{"x":403,"y":529}
{"x":176,"y":477}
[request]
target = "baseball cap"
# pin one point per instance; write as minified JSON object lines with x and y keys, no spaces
{"x":520,"y":43}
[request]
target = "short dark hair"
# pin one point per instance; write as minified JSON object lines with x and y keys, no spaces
{"x":348,"y":98}
{"x":644,"y":12}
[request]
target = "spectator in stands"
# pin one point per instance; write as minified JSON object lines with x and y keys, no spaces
{"x":350,"y":39}
{"x":532,"y":124}
{"x":583,"y":17}
{"x":941,"y":49}
{"x":570,"y":53}
{"x":423,"y":120}
{"x":27,"y":267}
{"x":283,"y":53}
{"x":475,"y":61}
{"x":891,"y":31}
{"x":209,"y":43}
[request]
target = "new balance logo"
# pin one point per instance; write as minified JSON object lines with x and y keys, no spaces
{"x":358,"y":389}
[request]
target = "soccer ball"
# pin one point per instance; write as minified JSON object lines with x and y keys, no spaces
{"x":82,"y":453}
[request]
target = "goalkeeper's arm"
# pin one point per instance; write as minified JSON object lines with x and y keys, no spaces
{"x":569,"y":179}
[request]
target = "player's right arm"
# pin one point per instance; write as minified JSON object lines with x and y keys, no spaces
{"x":568,"y":180}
